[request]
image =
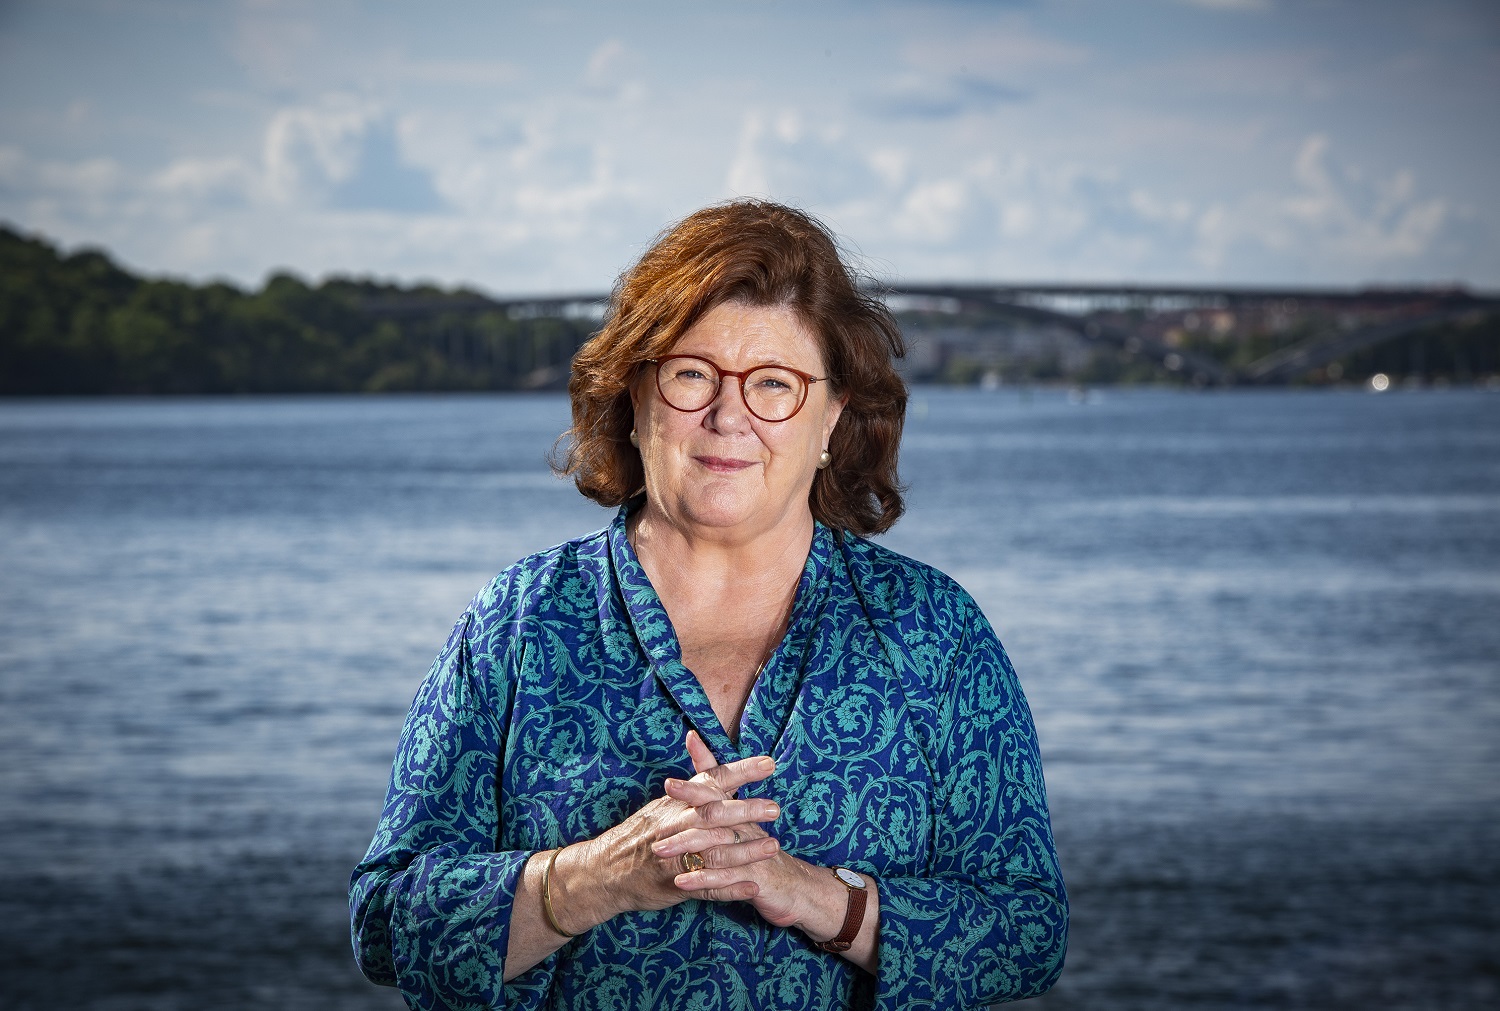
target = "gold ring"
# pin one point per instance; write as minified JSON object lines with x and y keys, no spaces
{"x":692,"y":862}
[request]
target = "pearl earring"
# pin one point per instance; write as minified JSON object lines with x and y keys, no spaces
{"x":635,"y":440}
{"x":824,"y":460}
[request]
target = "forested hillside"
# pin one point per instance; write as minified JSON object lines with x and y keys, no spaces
{"x":81,"y":324}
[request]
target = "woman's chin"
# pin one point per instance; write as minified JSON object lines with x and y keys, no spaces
{"x":722,"y":519}
{"x":724,"y":510}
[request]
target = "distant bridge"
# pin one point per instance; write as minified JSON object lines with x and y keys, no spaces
{"x":1149,"y":322}
{"x":1143,"y":320}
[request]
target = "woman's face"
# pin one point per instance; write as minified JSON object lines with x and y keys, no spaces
{"x":721,"y":471}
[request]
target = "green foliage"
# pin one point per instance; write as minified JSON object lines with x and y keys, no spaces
{"x":81,"y":325}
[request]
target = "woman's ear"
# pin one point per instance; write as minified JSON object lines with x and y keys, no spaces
{"x":635,"y":393}
{"x":834,"y":411}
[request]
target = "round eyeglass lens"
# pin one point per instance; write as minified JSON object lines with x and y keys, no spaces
{"x":774,"y":394}
{"x":688,"y":384}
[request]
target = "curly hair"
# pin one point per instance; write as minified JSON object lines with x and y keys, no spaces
{"x":758,"y":253}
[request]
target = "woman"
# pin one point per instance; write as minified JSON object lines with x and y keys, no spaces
{"x":725,"y":753}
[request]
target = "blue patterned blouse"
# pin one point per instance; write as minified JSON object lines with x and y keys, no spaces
{"x":905,"y":750}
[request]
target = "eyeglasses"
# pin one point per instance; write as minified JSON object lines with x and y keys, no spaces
{"x":772,"y":392}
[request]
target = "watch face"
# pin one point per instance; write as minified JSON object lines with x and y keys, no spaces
{"x":849,"y":878}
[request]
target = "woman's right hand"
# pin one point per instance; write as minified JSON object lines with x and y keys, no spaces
{"x":618,"y":870}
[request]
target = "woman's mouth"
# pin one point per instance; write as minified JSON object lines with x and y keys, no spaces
{"x":723,"y":464}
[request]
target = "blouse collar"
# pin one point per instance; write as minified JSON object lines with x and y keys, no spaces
{"x":772,"y":696}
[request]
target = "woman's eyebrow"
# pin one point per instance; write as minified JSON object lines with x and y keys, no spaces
{"x":771,"y":358}
{"x":758,"y":363}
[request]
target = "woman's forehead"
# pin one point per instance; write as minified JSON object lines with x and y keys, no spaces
{"x":734,"y":335}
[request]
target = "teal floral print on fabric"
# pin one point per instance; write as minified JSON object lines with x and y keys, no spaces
{"x":904,"y":746}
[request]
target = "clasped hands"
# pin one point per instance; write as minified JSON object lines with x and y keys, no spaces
{"x":640,"y":861}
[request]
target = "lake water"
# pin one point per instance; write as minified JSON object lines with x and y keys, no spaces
{"x":1260,"y":633}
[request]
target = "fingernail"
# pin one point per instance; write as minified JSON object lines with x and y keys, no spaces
{"x":674,"y":783}
{"x":774,"y":810}
{"x":660,"y":846}
{"x":767,"y":765}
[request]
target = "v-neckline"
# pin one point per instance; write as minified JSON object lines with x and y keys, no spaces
{"x":769,"y":703}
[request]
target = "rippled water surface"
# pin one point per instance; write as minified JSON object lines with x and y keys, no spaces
{"x":1260,"y":633}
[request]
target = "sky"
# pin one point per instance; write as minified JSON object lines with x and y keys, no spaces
{"x":537,"y":148}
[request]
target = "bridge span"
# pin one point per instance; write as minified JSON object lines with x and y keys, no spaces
{"x":1208,"y":335}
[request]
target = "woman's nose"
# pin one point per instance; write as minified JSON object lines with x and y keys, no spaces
{"x":728,"y":408}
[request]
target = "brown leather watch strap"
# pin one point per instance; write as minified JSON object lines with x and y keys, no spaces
{"x":854,"y":917}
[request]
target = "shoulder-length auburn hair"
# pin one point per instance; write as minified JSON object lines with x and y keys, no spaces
{"x":764,"y":254}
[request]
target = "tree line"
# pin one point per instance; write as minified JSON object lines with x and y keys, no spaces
{"x":80,"y":324}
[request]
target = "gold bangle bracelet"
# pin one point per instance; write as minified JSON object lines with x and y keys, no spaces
{"x":547,"y":894}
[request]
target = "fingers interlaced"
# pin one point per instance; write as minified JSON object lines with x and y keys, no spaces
{"x":721,"y":884}
{"x":734,"y":812}
{"x":694,"y":791}
{"x":722,"y":782}
{"x":740,"y":854}
{"x":740,"y":892}
{"x":719,"y":826}
{"x":721,"y":847}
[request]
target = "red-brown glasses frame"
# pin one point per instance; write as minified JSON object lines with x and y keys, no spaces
{"x":741,"y":376}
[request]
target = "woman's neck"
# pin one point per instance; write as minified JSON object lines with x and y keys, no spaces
{"x":754,"y":571}
{"x":729,"y":600}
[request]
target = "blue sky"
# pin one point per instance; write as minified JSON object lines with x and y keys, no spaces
{"x":537,"y":148}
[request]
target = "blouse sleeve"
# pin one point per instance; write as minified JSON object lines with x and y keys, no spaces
{"x":430,"y":903}
{"x":989,"y":923}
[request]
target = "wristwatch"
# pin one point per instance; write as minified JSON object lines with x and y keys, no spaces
{"x":854,"y":913}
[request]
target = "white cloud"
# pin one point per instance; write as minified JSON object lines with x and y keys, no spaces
{"x":208,"y":180}
{"x":308,"y":148}
{"x":748,"y":175}
{"x":933,"y":211}
{"x":1329,"y":217}
{"x":608,"y":65}
{"x":522,"y":209}
{"x":531,"y":150}
{"x":59,"y":186}
{"x":782,"y":155}
{"x":614,"y":73}
{"x":1015,"y":216}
